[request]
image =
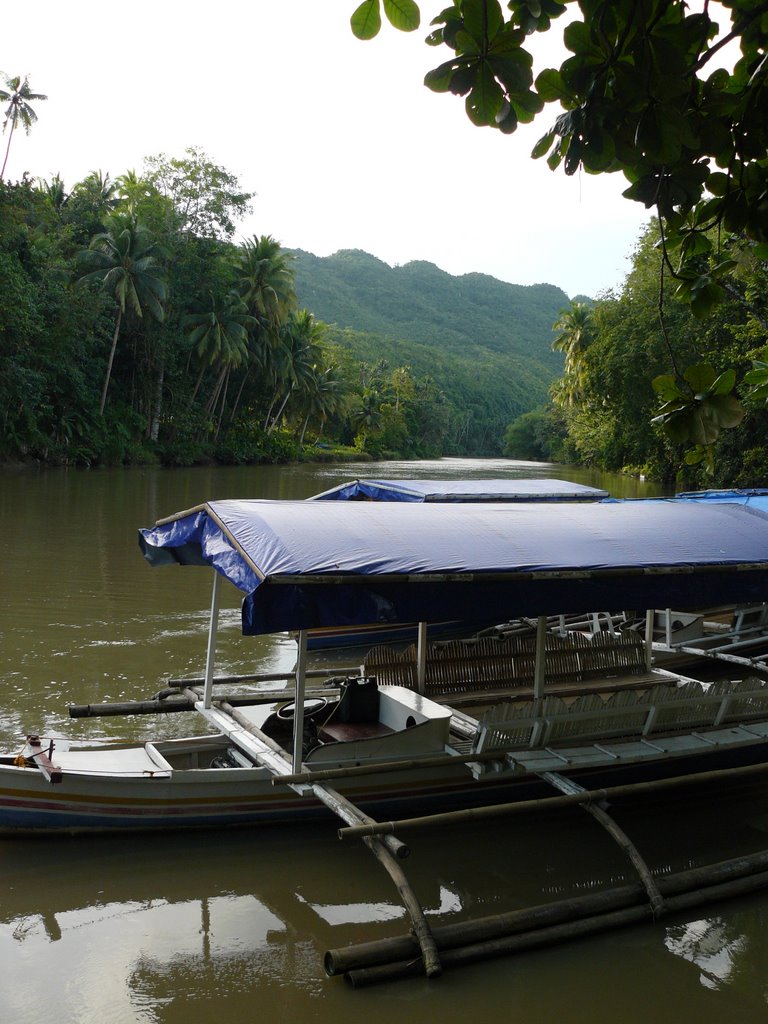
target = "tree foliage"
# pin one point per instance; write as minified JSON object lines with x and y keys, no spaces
{"x":642,"y":92}
{"x":128,"y":336}
{"x":614,"y":420}
{"x":19,"y":97}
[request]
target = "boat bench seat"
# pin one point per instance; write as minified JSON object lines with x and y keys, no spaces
{"x":461,"y":667}
{"x":344,"y":732}
{"x":661,"y":709}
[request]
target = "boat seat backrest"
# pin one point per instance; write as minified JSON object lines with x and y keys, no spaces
{"x":501,"y":662}
{"x":665,"y":708}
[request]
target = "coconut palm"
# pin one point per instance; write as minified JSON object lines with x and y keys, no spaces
{"x":297,"y":353}
{"x":322,"y":396}
{"x":574,"y":338}
{"x":18,"y":95}
{"x":124,"y":262}
{"x":219,"y":337}
{"x":266,"y":282}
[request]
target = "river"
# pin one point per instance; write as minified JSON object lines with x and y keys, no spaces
{"x":211,"y":926}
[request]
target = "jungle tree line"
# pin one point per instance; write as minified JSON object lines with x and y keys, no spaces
{"x":673,"y":96}
{"x":133,"y":328}
{"x":605,"y":406}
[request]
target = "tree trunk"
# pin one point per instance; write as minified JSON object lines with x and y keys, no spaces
{"x":154,"y":429}
{"x":304,"y":429}
{"x":269,"y":411}
{"x":215,"y":393}
{"x":239,"y":394}
{"x":198,"y":382}
{"x":111,"y":360}
{"x":8,"y":148}
{"x":222,"y":406}
{"x":279,"y":412}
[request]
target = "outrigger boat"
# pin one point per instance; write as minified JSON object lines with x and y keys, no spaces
{"x":302,"y":565}
{"x":567,"y":716}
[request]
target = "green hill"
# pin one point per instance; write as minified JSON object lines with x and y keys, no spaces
{"x":488,"y":344}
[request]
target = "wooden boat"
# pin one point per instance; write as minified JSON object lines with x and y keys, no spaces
{"x":300,"y":567}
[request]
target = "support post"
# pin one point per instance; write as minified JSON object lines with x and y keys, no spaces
{"x":213,"y":628}
{"x":298,"y":708}
{"x":668,"y":626}
{"x":539,"y":669}
{"x":421,"y":660}
{"x":649,"y":617}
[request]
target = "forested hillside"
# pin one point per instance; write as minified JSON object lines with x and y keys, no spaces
{"x":486,"y":344}
{"x":134,"y":329}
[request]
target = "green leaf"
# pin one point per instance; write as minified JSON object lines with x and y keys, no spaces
{"x":666,"y":387}
{"x":700,"y":376}
{"x":439,"y":79}
{"x":724,"y":384}
{"x":485,"y":100}
{"x":403,"y":14}
{"x":366,"y":20}
{"x":543,"y":145}
{"x":704,"y":299}
{"x":550,"y":86}
{"x":482,"y":19}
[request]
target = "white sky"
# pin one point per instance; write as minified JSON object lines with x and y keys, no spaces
{"x":340,"y":139}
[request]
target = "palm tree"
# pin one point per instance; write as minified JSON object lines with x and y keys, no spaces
{"x":322,"y":396}
{"x":124,"y":259}
{"x":367,"y":415}
{"x":219,"y":337}
{"x":574,"y":338}
{"x":98,"y":193}
{"x":55,"y":191}
{"x":266,"y":282}
{"x":293,"y":361}
{"x":19,"y":96}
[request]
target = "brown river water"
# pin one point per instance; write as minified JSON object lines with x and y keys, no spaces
{"x":206,"y":927}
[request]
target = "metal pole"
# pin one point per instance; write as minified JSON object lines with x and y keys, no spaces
{"x":213,"y":627}
{"x":650,"y":615}
{"x":421,"y":660}
{"x":298,"y":708}
{"x":539,"y":668}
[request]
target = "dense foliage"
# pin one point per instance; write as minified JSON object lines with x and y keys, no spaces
{"x":484,"y":343}
{"x":133,"y":329}
{"x":616,"y":356}
{"x":671,"y":96}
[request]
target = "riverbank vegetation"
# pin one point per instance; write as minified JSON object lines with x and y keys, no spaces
{"x":134,"y":329}
{"x":605,"y":408}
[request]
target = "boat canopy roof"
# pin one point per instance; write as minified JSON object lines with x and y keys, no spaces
{"x":461,"y":490}
{"x":755,"y":497}
{"x":303,"y":565}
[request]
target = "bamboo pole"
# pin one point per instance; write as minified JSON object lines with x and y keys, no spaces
{"x":266,"y":677}
{"x":616,"y":832}
{"x":430,"y":958}
{"x":168,"y":704}
{"x":546,"y":915}
{"x":482,"y":951}
{"x":553,"y":802}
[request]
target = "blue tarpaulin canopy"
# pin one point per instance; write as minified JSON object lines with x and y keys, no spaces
{"x":461,"y":490}
{"x":305,"y":564}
